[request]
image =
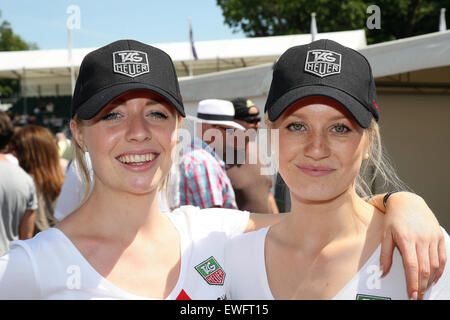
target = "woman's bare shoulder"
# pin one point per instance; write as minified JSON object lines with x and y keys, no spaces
{"x":260,"y":220}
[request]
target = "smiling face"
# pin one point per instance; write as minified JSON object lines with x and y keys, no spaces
{"x":130,"y":142}
{"x":321,"y":148}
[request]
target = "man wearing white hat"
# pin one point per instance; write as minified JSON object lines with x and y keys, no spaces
{"x":203,"y":179}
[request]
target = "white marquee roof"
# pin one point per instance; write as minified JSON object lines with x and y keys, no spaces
{"x":416,"y":53}
{"x":47,"y":67}
{"x":236,"y":53}
{"x":388,"y":58}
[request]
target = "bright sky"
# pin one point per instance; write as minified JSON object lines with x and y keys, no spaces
{"x":104,"y":21}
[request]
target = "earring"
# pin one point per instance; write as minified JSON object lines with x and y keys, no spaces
{"x":366,"y":156}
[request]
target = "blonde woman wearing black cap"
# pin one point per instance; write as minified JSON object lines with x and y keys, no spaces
{"x":322,"y":102}
{"x":118,"y":245}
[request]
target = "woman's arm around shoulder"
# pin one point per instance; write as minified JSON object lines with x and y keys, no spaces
{"x":411,"y":226}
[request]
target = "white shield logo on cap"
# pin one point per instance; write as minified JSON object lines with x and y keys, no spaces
{"x":131,"y":63}
{"x":323,"y":63}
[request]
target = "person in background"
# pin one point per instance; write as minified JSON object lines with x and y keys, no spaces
{"x":251,"y":185}
{"x":203,"y":178}
{"x":64,"y":146}
{"x":72,"y":191}
{"x":7,"y":133}
{"x":64,"y":150}
{"x":36,"y":149}
{"x":18,"y":200}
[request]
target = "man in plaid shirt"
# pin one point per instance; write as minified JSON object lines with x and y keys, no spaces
{"x":203,"y":179}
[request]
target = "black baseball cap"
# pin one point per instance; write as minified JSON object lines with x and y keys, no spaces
{"x":323,"y":68}
{"x":120,"y":67}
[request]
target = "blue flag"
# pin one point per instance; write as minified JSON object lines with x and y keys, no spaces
{"x":191,"y":39}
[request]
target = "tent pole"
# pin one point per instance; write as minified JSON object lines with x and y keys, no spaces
{"x":23,"y":92}
{"x":72,"y":74}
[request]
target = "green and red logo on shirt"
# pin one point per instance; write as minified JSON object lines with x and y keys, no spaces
{"x":211,"y":271}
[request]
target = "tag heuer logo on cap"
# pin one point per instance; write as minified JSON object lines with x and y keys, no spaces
{"x":131,"y":63}
{"x":323,"y":63}
{"x":211,"y":271}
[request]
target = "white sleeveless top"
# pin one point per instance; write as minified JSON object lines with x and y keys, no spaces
{"x":247,"y":278}
{"x":49,"y":266}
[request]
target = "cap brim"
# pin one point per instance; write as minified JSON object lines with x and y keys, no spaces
{"x":359,"y":112}
{"x":91,"y":107}
{"x":218,"y":122}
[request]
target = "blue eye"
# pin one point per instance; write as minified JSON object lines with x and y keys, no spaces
{"x":340,"y":128}
{"x":296,"y":126}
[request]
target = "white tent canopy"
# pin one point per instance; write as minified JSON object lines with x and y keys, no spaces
{"x":42,"y":61}
{"x":388,"y":58}
{"x":416,"y":53}
{"x":47,"y":72}
{"x":50,"y":69}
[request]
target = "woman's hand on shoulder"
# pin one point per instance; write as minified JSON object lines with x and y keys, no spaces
{"x":412,"y":227}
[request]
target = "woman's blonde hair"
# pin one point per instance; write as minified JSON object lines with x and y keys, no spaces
{"x":376,"y":171}
{"x":80,"y":159}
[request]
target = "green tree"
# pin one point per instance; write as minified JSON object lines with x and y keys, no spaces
{"x":9,"y":41}
{"x":399,"y":18}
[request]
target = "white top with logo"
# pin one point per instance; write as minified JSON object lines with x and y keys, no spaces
{"x":247,"y":278}
{"x":49,"y":266}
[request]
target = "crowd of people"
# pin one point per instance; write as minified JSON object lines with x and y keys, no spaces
{"x":140,"y":215}
{"x":37,"y":156}
{"x":41,"y":113}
